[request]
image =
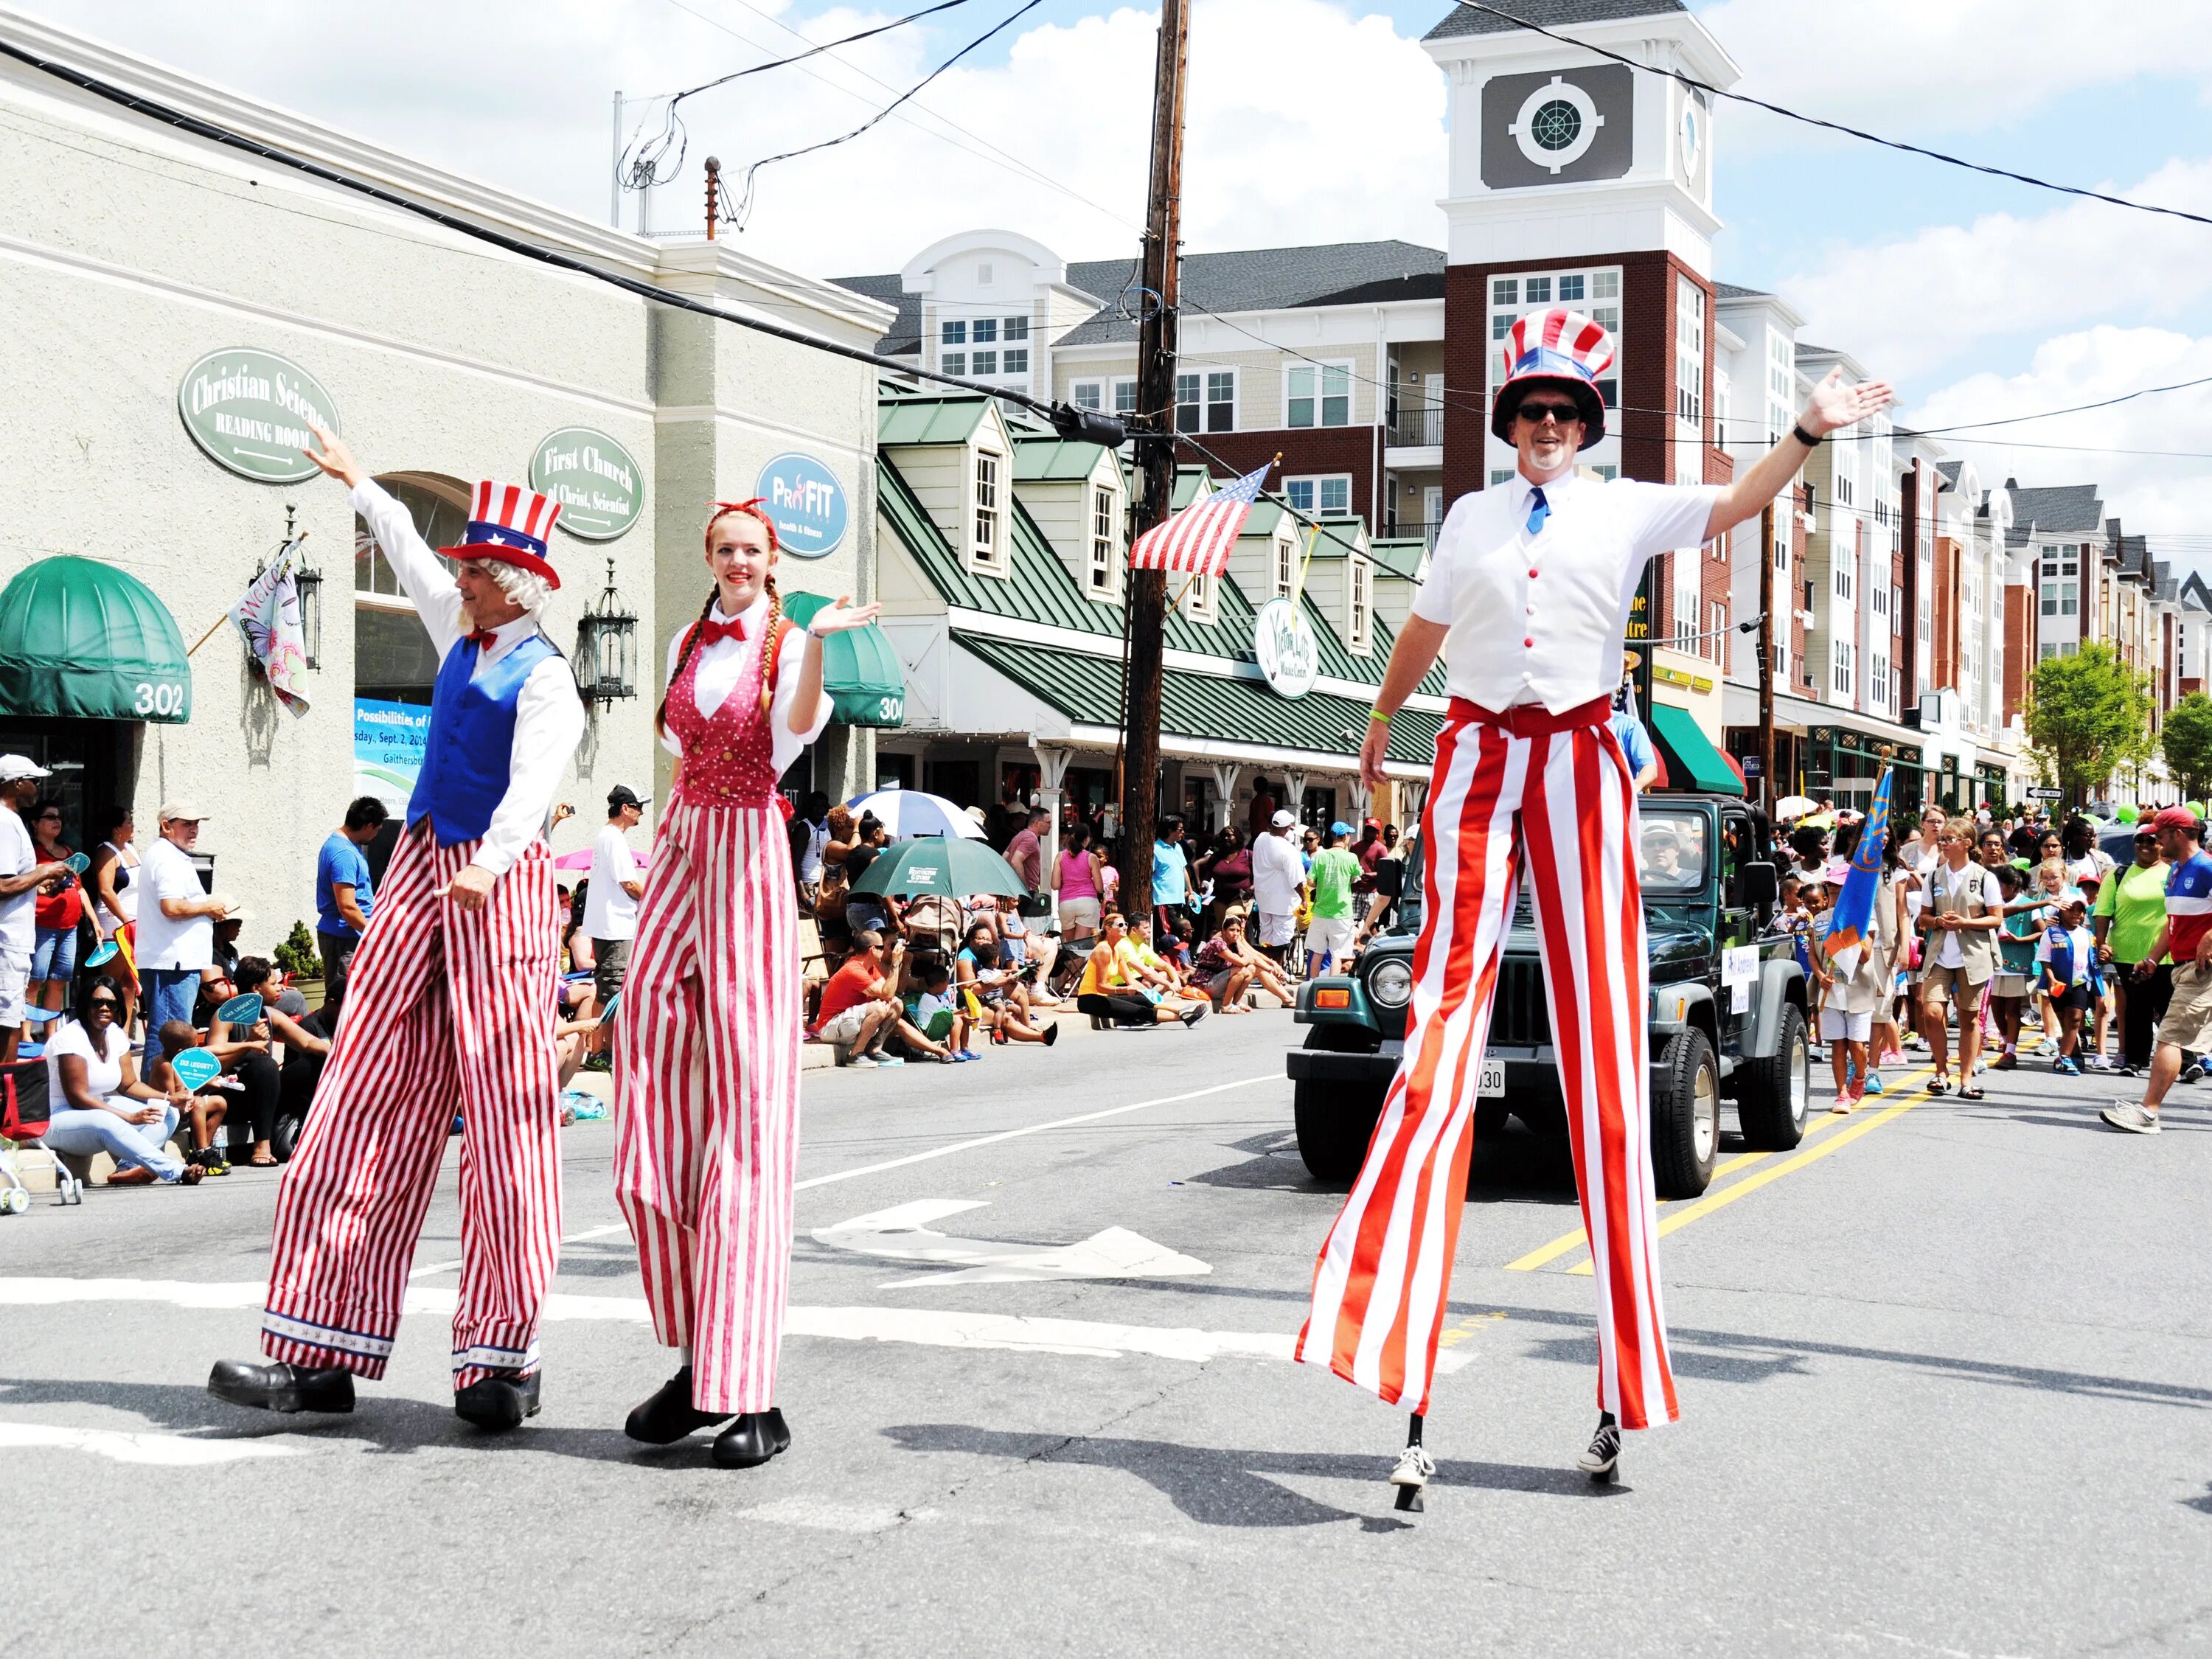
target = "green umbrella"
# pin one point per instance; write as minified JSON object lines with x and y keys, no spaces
{"x":951,"y":867}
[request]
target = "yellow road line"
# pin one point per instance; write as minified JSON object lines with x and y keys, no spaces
{"x":1545,"y":1255}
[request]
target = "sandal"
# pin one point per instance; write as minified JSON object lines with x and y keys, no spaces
{"x":1939,"y":1085}
{"x":1970,"y":1093}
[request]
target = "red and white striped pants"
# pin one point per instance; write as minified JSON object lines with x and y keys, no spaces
{"x":707,"y":1095}
{"x":446,"y":1010}
{"x":1564,"y":800}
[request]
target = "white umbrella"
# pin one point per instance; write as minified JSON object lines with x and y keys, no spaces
{"x":1794,"y":806}
{"x":910,"y":812}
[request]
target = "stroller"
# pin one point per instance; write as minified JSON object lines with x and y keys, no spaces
{"x":25,"y":1112}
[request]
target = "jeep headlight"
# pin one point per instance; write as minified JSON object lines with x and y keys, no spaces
{"x":1391,"y":984}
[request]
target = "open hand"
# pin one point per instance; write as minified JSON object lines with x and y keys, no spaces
{"x":839,"y":617}
{"x":1834,"y":404}
{"x":336,"y":459}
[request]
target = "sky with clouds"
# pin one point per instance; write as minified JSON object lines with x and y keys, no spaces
{"x":1322,"y":120}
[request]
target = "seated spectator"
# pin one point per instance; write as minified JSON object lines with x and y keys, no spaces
{"x":99,"y":1103}
{"x":868,"y":910}
{"x":304,"y":1055}
{"x":248,"y":1101}
{"x":859,"y":1009}
{"x":1029,"y":953}
{"x":998,"y":990}
{"x":1229,"y":965}
{"x":931,"y":1023}
{"x":1156,"y":970}
{"x":1115,"y":985}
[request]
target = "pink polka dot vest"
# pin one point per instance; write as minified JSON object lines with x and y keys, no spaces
{"x":728,"y":757}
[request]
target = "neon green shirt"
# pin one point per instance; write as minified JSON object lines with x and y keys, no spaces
{"x":2135,"y":898}
{"x":1333,"y":871}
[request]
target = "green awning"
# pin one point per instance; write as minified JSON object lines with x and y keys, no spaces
{"x":859,"y":670}
{"x":1692,"y":761}
{"x":82,"y":639}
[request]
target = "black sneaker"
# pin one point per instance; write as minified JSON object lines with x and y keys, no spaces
{"x":211,"y":1161}
{"x":1603,"y":1457}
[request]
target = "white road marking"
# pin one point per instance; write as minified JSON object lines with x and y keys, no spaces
{"x":902,"y":1233}
{"x":932,"y":1327}
{"x":936,"y":1152}
{"x":123,"y":1447}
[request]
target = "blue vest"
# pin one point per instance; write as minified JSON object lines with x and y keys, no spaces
{"x":465,"y":763}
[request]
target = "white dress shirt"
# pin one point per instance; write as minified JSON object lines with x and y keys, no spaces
{"x":1541,"y":619}
{"x":549,"y":715}
{"x":721,"y":663}
{"x":609,"y":910}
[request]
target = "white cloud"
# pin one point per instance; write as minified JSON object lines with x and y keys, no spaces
{"x":519,"y":95}
{"x":1921,"y":302}
{"x":2150,"y":492}
{"x":1954,"y":66}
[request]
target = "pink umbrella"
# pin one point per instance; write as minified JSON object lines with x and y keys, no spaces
{"x":581,"y":859}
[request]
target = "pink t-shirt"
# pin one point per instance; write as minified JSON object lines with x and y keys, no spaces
{"x":1075,"y":881}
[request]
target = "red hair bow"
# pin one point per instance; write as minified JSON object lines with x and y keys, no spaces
{"x":751,"y":509}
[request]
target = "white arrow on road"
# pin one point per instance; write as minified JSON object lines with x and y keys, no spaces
{"x":903,"y":1233}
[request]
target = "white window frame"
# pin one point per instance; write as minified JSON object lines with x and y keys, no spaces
{"x":1359,"y":634}
{"x":1285,"y":566}
{"x":1689,"y":353}
{"x":1120,"y":384}
{"x":1319,"y":368}
{"x":1199,"y":604}
{"x":1103,"y":565}
{"x":1203,"y":410}
{"x":987,"y":477}
{"x":1313,"y":485}
{"x":1088,"y":393}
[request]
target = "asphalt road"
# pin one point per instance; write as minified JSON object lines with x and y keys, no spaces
{"x":1945,"y":1376}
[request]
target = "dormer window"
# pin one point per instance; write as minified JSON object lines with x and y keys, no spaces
{"x":1360,"y":634}
{"x":1286,"y":564}
{"x":988,"y":551}
{"x":1102,"y":567}
{"x":1202,"y":594}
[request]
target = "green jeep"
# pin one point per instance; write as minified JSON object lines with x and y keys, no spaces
{"x":1728,"y":1011}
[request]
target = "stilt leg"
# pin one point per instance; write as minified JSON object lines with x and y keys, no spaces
{"x":1415,"y":1466}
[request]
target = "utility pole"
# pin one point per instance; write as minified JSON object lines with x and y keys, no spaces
{"x":1766,"y":654}
{"x":1156,"y":370}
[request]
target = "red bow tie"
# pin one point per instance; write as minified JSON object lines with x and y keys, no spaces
{"x":712,"y":632}
{"x":483,"y":638}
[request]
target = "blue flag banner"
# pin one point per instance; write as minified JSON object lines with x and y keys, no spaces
{"x":1854,"y":917}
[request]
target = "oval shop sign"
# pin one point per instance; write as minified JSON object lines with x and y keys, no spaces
{"x":249,"y":410}
{"x":807,"y":503}
{"x":598,"y":483}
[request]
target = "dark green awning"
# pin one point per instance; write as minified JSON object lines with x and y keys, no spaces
{"x":859,"y":670}
{"x":82,"y":639}
{"x":1692,"y":761}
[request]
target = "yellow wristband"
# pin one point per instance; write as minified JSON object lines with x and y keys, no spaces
{"x":1376,"y":716}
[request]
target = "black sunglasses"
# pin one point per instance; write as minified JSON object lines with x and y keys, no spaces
{"x":104,"y":1002}
{"x":1536,"y":413}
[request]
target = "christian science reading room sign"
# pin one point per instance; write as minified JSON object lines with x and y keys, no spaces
{"x":249,"y":410}
{"x":807,"y":503}
{"x":598,"y":482}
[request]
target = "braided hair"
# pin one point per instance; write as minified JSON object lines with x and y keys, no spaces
{"x":751,"y":509}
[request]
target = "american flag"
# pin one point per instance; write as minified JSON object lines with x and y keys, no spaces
{"x":1198,"y":538}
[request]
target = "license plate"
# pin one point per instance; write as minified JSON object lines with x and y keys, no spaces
{"x":1489,"y":1085}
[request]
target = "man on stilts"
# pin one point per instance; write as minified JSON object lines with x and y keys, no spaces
{"x":449,"y":1004}
{"x":1529,"y":589}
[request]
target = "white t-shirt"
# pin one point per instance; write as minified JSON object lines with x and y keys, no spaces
{"x":609,"y":912}
{"x":19,"y":929}
{"x":167,"y":873}
{"x":2081,"y":945}
{"x":103,"y":1072}
{"x":1276,"y":870}
{"x":1961,"y":884}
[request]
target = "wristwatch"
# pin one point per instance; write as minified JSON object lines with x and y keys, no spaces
{"x":1797,"y":431}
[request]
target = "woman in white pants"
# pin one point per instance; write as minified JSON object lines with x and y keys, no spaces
{"x":99,"y":1103}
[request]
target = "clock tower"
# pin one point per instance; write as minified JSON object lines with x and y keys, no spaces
{"x":1577,"y":180}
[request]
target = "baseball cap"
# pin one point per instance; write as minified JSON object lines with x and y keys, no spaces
{"x":15,"y":767}
{"x":2173,"y":817}
{"x":1284,"y":819}
{"x":173,"y":810}
{"x":1339,"y":828}
{"x":620,"y":796}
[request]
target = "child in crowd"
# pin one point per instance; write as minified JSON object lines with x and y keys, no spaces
{"x":2067,"y":956}
{"x":934,"y":1025}
{"x":2016,"y":945}
{"x":1850,"y":992}
{"x":2104,"y":1005}
{"x":206,"y":1110}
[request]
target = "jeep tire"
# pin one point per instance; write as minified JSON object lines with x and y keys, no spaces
{"x":1773,"y":1095}
{"x":1336,"y":1122}
{"x":1686,"y":1103}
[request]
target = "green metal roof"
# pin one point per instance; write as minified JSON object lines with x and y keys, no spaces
{"x":1400,"y":555}
{"x":1088,"y":689}
{"x":1187,"y":479}
{"x":951,"y":419}
{"x":1043,"y":460}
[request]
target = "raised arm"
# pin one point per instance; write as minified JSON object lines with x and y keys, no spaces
{"x":1833,"y":404}
{"x":428,"y":583}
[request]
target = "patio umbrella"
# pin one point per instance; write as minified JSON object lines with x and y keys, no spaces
{"x":581,"y":859}
{"x":1794,"y":806}
{"x":908,"y":812}
{"x":944,"y":865}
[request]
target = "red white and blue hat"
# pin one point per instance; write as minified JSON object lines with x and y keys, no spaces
{"x":511,"y":524}
{"x":1561,"y":347}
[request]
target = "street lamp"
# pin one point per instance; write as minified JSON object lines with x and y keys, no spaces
{"x":606,"y":647}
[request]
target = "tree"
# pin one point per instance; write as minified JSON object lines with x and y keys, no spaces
{"x":2187,"y":743}
{"x":2089,"y":713}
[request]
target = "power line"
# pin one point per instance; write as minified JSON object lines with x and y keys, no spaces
{"x":640,"y":166}
{"x":998,"y":156}
{"x":745,"y":206}
{"x":1838,"y":126}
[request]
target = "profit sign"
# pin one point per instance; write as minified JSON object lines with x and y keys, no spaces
{"x":249,"y":411}
{"x":598,"y":483}
{"x":806,"y":504}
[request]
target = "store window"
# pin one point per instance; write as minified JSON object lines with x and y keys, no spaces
{"x":394,"y":661}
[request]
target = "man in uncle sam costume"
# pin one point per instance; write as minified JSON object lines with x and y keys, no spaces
{"x":1529,"y":590}
{"x":449,"y":1004}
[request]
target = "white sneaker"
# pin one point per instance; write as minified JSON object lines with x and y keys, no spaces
{"x":1415,"y":1466}
{"x":867,"y":1060}
{"x":2047,"y":1048}
{"x":2129,"y":1116}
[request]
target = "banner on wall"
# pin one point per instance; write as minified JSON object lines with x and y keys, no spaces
{"x":388,"y":743}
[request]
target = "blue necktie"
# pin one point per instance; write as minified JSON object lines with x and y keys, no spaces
{"x":1539,"y":510}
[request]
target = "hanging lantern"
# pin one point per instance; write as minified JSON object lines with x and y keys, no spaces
{"x":310,"y":586}
{"x":606,"y":647}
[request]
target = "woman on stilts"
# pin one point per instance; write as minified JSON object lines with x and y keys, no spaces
{"x":706,"y":1042}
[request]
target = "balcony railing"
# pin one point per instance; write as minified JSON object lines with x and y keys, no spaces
{"x":1406,"y":528}
{"x":1417,"y":427}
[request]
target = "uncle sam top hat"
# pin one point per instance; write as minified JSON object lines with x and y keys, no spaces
{"x":1563,"y":348}
{"x":511,"y":524}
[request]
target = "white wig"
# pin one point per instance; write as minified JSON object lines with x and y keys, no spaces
{"x":524,"y":587}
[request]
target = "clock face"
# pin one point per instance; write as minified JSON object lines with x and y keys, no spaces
{"x":1694,"y":137}
{"x":1555,"y":125}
